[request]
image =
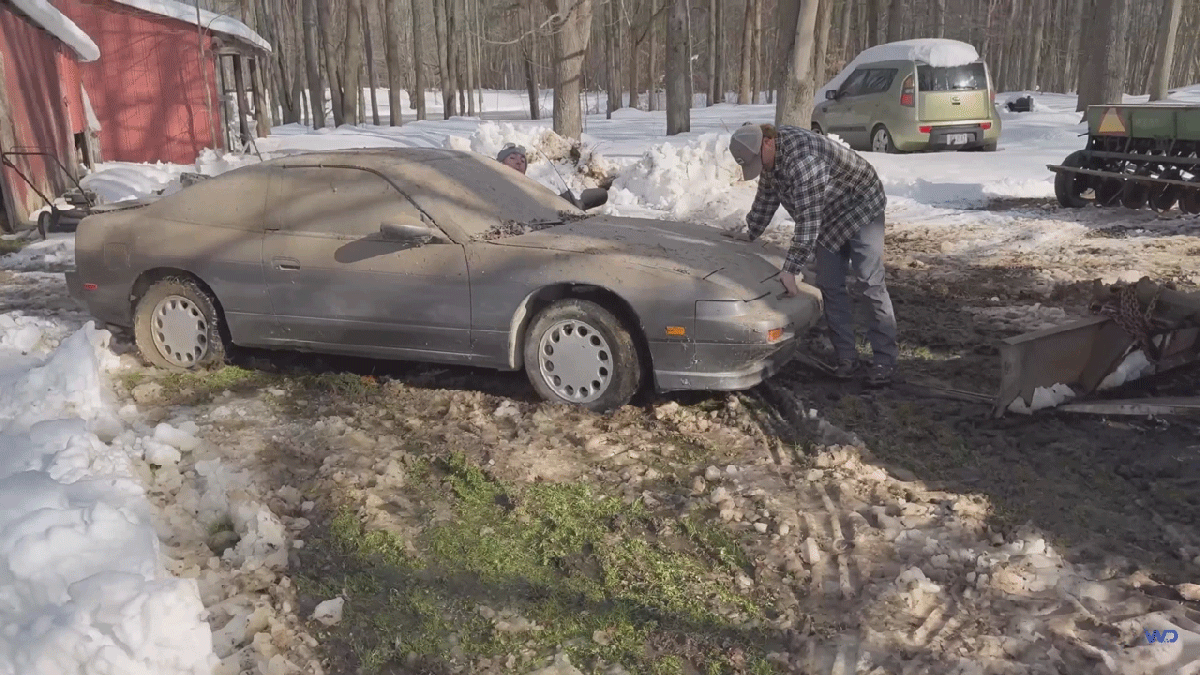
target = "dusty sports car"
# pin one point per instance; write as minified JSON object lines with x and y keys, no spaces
{"x":442,"y":256}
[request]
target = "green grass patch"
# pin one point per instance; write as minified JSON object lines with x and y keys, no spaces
{"x":198,"y":386}
{"x":12,"y":245}
{"x":583,"y":567}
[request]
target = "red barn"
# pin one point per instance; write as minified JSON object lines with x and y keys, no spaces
{"x":40,"y":109}
{"x":157,"y":89}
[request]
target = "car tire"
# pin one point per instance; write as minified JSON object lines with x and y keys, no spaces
{"x":989,"y":147}
{"x":582,"y":330}
{"x":881,"y":140}
{"x":164,"y":331}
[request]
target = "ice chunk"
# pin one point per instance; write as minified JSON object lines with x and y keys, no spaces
{"x":329,"y":612}
{"x":177,"y":438}
{"x":1043,"y":398}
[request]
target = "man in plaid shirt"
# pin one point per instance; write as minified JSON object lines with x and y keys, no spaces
{"x":837,"y":201}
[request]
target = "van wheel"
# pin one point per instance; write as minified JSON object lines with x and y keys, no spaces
{"x":579,"y":353}
{"x":881,"y":140}
{"x":176,"y":326}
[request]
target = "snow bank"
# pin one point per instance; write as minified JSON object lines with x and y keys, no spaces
{"x":82,"y":589}
{"x":550,"y":155}
{"x":56,"y":252}
{"x":683,"y":180}
{"x":937,"y":52}
{"x":42,"y":13}
{"x":121,"y":181}
{"x":214,"y":22}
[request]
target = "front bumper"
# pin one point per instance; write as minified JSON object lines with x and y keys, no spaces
{"x":718,"y":367}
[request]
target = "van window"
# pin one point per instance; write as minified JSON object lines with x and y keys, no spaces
{"x":957,"y":78}
{"x":878,"y":81}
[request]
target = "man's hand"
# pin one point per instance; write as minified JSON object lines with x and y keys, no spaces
{"x":737,"y":235}
{"x":789,"y":284}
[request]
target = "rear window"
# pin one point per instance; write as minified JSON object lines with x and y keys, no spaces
{"x":957,"y":78}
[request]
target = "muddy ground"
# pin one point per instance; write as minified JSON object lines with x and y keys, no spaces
{"x":471,"y":528}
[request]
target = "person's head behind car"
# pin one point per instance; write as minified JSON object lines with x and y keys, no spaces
{"x":513,"y":155}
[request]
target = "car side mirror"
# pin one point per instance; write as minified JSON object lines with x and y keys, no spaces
{"x":592,"y":198}
{"x":406,"y":229}
{"x":830,"y":94}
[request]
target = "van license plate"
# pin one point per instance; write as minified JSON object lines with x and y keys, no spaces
{"x":958,"y":139}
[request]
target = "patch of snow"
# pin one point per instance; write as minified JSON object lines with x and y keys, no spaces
{"x":1133,"y":367}
{"x":214,"y":22}
{"x":121,"y":181}
{"x":937,"y":52}
{"x":82,"y":586}
{"x":42,"y":13}
{"x":1043,"y":397}
{"x":56,"y":252}
{"x":329,"y":612}
{"x":89,"y":113}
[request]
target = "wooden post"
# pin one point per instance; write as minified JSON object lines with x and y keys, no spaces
{"x":223,"y":107}
{"x":239,"y":82}
{"x":262,"y":107}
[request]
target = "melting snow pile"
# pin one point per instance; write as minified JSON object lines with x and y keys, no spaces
{"x":937,"y":52}
{"x":550,"y":155}
{"x":120,"y":181}
{"x":82,"y":588}
{"x":54,"y":253}
{"x":686,"y":180}
{"x":1043,"y":397}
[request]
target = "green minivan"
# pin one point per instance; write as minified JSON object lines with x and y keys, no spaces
{"x":907,"y":106}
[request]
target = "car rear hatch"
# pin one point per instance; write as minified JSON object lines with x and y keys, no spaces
{"x":954,"y":93}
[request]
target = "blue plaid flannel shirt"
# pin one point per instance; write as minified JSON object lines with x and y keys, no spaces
{"x":829,"y":190}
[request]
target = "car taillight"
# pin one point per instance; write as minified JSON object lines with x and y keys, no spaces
{"x":908,"y":94}
{"x":925,"y":130}
{"x":986,"y":125}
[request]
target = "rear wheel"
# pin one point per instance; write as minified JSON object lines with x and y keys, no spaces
{"x":578,"y":352}
{"x":1163,"y":197}
{"x":1069,"y":187}
{"x":881,"y":140}
{"x":176,"y":326}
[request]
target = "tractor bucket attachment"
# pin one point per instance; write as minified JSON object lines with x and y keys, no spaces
{"x":1083,"y":353}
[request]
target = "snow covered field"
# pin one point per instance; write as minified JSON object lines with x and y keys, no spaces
{"x":140,"y":535}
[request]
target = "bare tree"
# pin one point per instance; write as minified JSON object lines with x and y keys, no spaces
{"x":571,"y":23}
{"x":798,"y":25}
{"x":1033,"y":59}
{"x":938,"y":8}
{"x":530,"y":52}
{"x":391,"y":22}
{"x":744,"y":82}
{"x":418,"y":50}
{"x":353,"y":89}
{"x":895,"y":25}
{"x":331,"y":70}
{"x":875,"y":14}
{"x":312,"y":63}
{"x":711,"y":69}
{"x":821,"y":49}
{"x":612,"y":45}
{"x":1109,"y":54}
{"x":679,"y":104}
{"x":441,"y":29}
{"x":1168,"y":28}
{"x":372,"y":82}
{"x":652,"y":103}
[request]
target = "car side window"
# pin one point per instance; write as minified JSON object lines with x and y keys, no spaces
{"x":853,"y":84}
{"x":878,"y":80}
{"x":343,"y":202}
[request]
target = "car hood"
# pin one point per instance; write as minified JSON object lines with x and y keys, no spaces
{"x":745,"y":269}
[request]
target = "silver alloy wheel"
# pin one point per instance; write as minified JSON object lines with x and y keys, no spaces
{"x":179,"y":330}
{"x":879,"y":142}
{"x":575,"y":361}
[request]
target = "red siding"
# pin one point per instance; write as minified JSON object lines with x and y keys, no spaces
{"x":33,"y":113}
{"x":147,"y":88}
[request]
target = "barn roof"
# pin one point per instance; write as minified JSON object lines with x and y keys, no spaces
{"x":45,"y":16}
{"x":217,"y":23}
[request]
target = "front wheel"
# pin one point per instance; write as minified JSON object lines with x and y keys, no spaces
{"x":579,"y":353}
{"x":176,"y":326}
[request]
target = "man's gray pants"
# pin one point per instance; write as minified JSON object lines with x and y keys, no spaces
{"x":863,"y":256}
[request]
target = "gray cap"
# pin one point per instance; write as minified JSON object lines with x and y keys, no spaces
{"x":510,"y":149}
{"x":746,"y":147}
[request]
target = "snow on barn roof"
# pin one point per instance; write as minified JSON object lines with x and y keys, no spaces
{"x":41,"y":13}
{"x":937,"y":52}
{"x":217,"y":23}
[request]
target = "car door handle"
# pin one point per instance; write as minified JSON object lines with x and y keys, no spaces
{"x":286,"y":264}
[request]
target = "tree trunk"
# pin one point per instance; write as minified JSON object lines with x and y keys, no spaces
{"x":442,"y":30}
{"x":391,"y":22}
{"x":939,"y":18}
{"x":798,"y":25}
{"x":572,"y":29}
{"x":418,"y":52}
{"x":331,"y":72}
{"x":875,"y":15}
{"x":652,"y":82}
{"x":847,"y":17}
{"x":312,"y":59}
{"x":612,"y":42}
{"x":1105,"y":80}
{"x":712,"y":52}
{"x":632,"y":44}
{"x":1168,"y":28}
{"x":470,"y":72}
{"x":679,"y":118}
{"x":352,"y":91}
{"x":529,"y":50}
{"x":756,"y":74}
{"x":895,"y":26}
{"x":821,"y":50}
{"x":1033,"y":63}
{"x":373,"y":83}
{"x":744,"y":82}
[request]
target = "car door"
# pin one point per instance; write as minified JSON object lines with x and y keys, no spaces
{"x":336,"y":281}
{"x":872,"y":102}
{"x":838,"y":112}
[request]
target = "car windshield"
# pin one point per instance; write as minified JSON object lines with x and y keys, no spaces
{"x":481,"y":198}
{"x":970,"y":77}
